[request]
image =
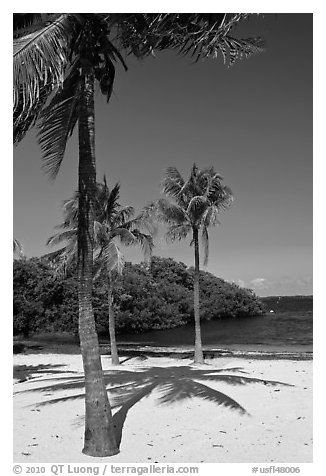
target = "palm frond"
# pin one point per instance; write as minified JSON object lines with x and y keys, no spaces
{"x":102,"y":234}
{"x":25,"y":119}
{"x":125,"y":236}
{"x":63,"y":259}
{"x":145,"y":240}
{"x":123,"y":216}
{"x":220,"y":194}
{"x":40,"y":60}
{"x":170,"y":213}
{"x":198,"y":35}
{"x":208,"y":179}
{"x":191,"y":186}
{"x":64,"y":236}
{"x":210,"y":217}
{"x":27,"y":23}
{"x":18,"y":248}
{"x":196,"y":208}
{"x":57,"y":123}
{"x":172,"y":184}
{"x":111,"y":257}
{"x":177,"y":232}
{"x":106,"y":200}
{"x":70,"y":212}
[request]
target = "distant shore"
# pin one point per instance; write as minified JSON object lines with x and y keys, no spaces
{"x":66,"y":344}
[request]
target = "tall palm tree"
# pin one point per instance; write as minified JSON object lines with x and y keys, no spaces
{"x":57,"y":59}
{"x":63,"y":59}
{"x":113,"y":225}
{"x":191,"y":207}
{"x":116,"y":225}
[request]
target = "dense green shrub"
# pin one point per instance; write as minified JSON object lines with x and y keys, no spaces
{"x":157,"y":296}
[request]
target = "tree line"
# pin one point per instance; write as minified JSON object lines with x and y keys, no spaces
{"x":146,"y":297}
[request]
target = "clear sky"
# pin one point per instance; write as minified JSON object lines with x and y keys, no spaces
{"x":252,"y":122}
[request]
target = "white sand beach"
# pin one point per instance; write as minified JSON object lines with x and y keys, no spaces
{"x":167,"y":410}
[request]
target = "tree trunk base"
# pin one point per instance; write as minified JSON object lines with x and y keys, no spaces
{"x":198,"y":355}
{"x":199,"y":361}
{"x":100,"y":454}
{"x":103,"y":447}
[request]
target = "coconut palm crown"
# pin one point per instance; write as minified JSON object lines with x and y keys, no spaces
{"x":50,"y":51}
{"x":114,"y":225}
{"x":192,"y":206}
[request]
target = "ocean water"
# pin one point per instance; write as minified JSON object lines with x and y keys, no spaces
{"x":285,"y":330}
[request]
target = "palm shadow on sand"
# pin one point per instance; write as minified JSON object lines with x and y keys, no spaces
{"x":29,"y":372}
{"x":173,"y":384}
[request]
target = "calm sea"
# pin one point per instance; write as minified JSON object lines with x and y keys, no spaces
{"x":284,"y":330}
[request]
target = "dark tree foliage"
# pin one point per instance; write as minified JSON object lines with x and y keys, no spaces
{"x":155,"y":296}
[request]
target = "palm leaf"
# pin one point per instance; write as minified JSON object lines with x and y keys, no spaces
{"x":64,"y":258}
{"x":170,"y":213}
{"x":64,"y":236}
{"x":173,"y":184}
{"x":123,"y":217}
{"x":197,"y":207}
{"x":24,"y":119}
{"x":40,"y":60}
{"x":57,"y":123}
{"x":111,"y":257}
{"x":220,"y":195}
{"x":106,"y":200}
{"x":18,"y":248}
{"x":210,"y":217}
{"x":125,"y":236}
{"x":70,"y":211}
{"x":199,"y":35}
{"x":178,"y":232}
{"x":145,"y":240}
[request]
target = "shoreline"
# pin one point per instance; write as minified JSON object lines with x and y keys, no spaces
{"x":130,"y":350}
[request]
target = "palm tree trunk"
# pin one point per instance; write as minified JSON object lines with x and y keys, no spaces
{"x":99,"y":433}
{"x":113,"y":342}
{"x":199,"y":358}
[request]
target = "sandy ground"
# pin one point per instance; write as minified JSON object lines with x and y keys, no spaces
{"x":167,"y":410}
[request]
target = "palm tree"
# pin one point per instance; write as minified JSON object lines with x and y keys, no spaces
{"x":116,"y":224}
{"x":57,"y":59}
{"x":195,"y":206}
{"x":63,"y":59}
{"x":113,"y":225}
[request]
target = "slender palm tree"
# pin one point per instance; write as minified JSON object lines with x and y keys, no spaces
{"x":57,"y":60}
{"x":191,"y":207}
{"x":114,"y":225}
{"x":62,"y":60}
